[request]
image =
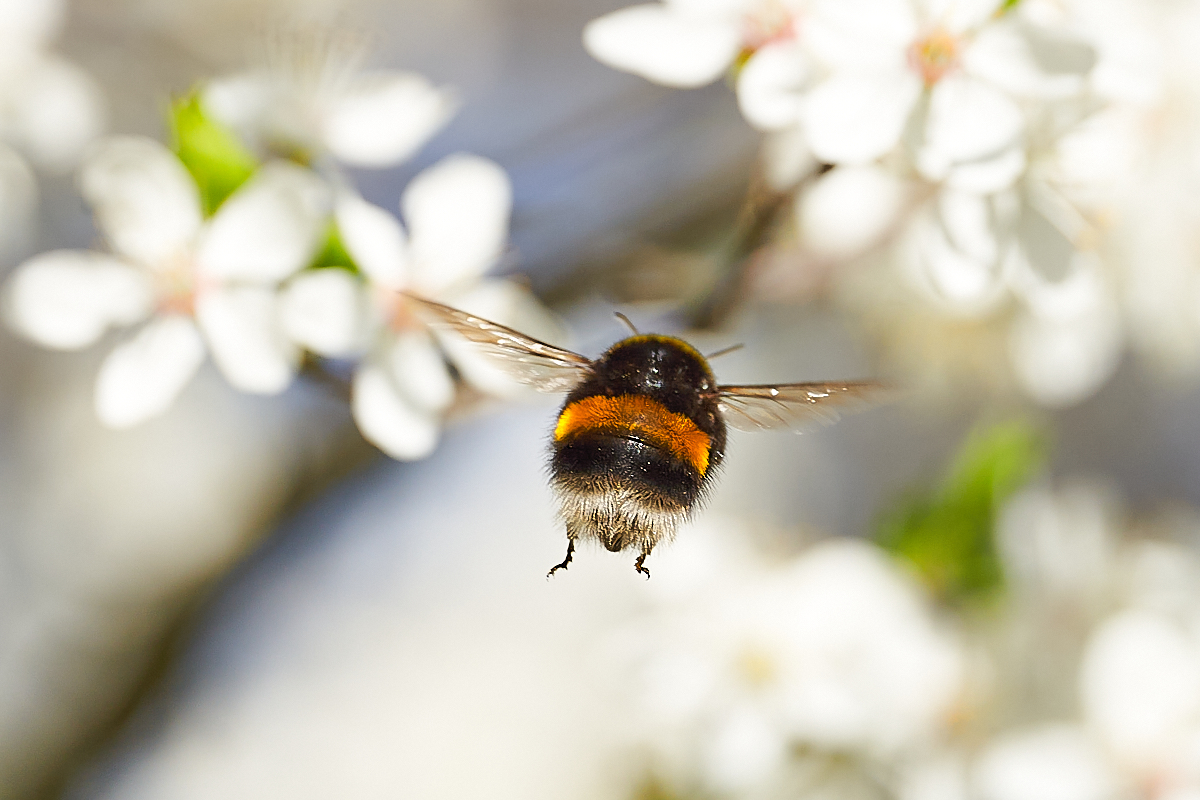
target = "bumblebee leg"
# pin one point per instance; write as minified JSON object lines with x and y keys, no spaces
{"x":637,"y":565}
{"x":565,"y":561}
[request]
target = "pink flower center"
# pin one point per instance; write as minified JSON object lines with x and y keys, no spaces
{"x":935,"y":55}
{"x":176,"y":286}
{"x":395,"y":309}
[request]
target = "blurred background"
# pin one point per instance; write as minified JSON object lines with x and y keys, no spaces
{"x":984,"y":588}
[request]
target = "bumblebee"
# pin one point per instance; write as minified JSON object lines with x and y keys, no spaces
{"x":642,"y":432}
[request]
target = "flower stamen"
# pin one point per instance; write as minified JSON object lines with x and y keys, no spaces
{"x":175,"y":287}
{"x":935,"y":55}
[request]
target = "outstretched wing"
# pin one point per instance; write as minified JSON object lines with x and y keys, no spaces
{"x":543,"y":366}
{"x":798,"y":406}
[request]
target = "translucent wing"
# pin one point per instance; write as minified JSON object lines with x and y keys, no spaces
{"x":798,"y":406}
{"x":543,"y":366}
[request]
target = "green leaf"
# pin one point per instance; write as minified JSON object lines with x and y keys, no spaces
{"x":947,"y":534}
{"x":212,"y":153}
{"x":333,"y":252}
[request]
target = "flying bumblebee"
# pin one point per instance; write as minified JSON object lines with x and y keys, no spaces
{"x":641,"y":435}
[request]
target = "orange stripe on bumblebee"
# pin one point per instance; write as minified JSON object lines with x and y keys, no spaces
{"x":639,"y":415}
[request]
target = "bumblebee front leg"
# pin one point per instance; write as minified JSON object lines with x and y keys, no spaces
{"x":637,"y":565}
{"x":565,"y":561}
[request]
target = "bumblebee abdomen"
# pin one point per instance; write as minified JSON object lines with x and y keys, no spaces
{"x":600,"y":463}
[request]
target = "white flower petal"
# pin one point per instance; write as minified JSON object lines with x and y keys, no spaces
{"x":324,"y":310}
{"x":142,"y":377}
{"x":387,"y":420}
{"x":1140,"y":684}
{"x":744,"y":751}
{"x":418,"y":370}
{"x":1028,"y":61}
{"x":384,"y":117}
{"x":457,"y":213}
{"x":507,"y":303}
{"x":957,"y":252}
{"x":145,"y":202}
{"x":68,"y":298}
{"x":848,"y":209}
{"x":1050,"y":762}
{"x":852,"y":119}
{"x":663,"y":45}
{"x":770,"y":86}
{"x":861,"y":35}
{"x":1069,"y":341}
{"x":239,"y":102}
{"x":987,"y":175}
{"x":269,"y":228}
{"x":968,"y":120}
{"x":57,"y":110}
{"x":970,"y":225}
{"x":374,"y":239}
{"x":30,"y":23}
{"x":242,"y":330}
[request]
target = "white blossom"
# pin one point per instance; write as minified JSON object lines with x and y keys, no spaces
{"x":833,"y":653}
{"x":312,"y":98}
{"x":688,"y":43}
{"x":457,"y":226}
{"x":192,"y":284}
{"x":1045,"y":762}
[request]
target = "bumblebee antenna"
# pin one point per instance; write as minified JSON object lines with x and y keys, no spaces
{"x":725,"y":350}
{"x":625,"y":319}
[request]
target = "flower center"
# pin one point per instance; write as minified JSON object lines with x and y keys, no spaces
{"x":176,"y":285}
{"x":394,"y":309}
{"x":935,"y":55}
{"x":757,"y":666}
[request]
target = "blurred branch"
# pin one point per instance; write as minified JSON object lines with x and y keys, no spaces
{"x":755,"y":226}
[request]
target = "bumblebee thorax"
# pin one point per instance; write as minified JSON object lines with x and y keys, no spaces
{"x":651,"y":363}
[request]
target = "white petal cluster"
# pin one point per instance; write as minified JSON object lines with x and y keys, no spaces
{"x":833,"y":655}
{"x":990,"y":145}
{"x":1110,"y":620}
{"x":827,"y":675}
{"x":456,"y":214}
{"x":311,"y":99}
{"x":245,"y":285}
{"x":189,"y":285}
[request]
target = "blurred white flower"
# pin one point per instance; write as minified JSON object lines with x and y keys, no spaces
{"x":457,"y":217}
{"x":1140,"y":684}
{"x":196,"y":283}
{"x":1060,"y":545}
{"x":848,"y":210}
{"x":1067,"y":340}
{"x":689,"y":43}
{"x":834,"y":653}
{"x":947,"y":76}
{"x":1139,"y":678}
{"x":311,"y":98}
{"x":50,"y":110}
{"x":1045,"y":762}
